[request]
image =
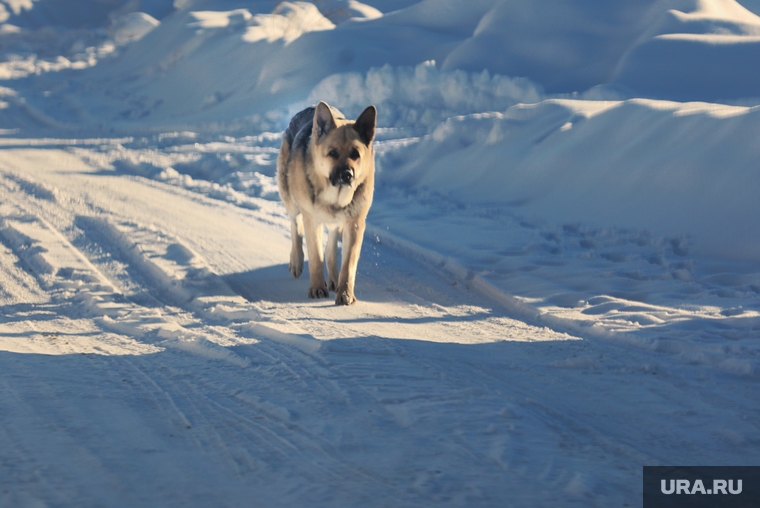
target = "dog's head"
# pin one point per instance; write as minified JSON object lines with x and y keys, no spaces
{"x":343,"y":149}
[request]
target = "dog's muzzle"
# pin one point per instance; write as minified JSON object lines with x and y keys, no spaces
{"x":343,"y":176}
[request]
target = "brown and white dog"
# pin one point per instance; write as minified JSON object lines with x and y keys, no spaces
{"x":326,"y":177}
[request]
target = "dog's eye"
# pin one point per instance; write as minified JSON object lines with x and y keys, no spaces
{"x":333,"y":154}
{"x":354,"y":154}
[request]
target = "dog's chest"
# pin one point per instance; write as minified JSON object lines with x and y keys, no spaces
{"x":335,"y":197}
{"x":338,"y":204}
{"x":332,"y":204}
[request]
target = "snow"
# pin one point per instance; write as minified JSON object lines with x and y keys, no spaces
{"x":559,"y":284}
{"x":663,"y":178}
{"x":694,"y":55}
{"x":132,"y":27}
{"x":288,"y":22}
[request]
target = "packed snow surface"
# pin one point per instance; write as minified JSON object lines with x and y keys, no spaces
{"x":559,"y":284}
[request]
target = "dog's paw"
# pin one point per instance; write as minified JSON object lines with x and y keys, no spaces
{"x":345,"y":298}
{"x":318,"y":292}
{"x":296,"y":262}
{"x":296,"y":269}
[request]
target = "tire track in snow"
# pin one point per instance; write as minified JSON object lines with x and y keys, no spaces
{"x":302,"y":368}
{"x":63,"y":270}
{"x":67,"y":275}
{"x":251,"y":434}
{"x":181,"y":277}
{"x":380,"y":409}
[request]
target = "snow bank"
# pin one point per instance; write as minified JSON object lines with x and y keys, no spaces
{"x":246,"y":61}
{"x":79,"y":14}
{"x":710,"y":51}
{"x":132,"y":27}
{"x":446,"y":77}
{"x":269,"y":54}
{"x":566,"y":46}
{"x":666,"y":167}
{"x":288,"y":22}
{"x":673,"y":49}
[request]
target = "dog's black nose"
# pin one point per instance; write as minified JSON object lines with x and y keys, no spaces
{"x":346,"y":176}
{"x":342,"y":176}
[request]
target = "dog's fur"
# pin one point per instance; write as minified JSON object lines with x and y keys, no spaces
{"x":326,"y":177}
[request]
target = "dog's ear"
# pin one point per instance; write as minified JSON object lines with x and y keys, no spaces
{"x":323,"y":121}
{"x":365,"y":124}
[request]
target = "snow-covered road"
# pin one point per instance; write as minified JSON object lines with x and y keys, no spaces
{"x":155,"y":351}
{"x":559,"y":284}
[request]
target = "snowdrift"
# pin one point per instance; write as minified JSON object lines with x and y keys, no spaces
{"x":663,"y":166}
{"x":681,"y":50}
{"x":255,"y":57}
{"x":80,"y":14}
{"x":709,"y":51}
{"x":248,"y":59}
{"x":542,"y":97}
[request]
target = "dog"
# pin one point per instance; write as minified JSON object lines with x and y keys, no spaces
{"x":326,"y":177}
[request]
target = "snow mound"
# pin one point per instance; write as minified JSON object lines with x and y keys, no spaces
{"x":566,"y":46}
{"x":710,"y":51}
{"x":220,"y":19}
{"x":692,"y":170}
{"x":254,"y":68}
{"x":79,"y":14}
{"x":359,"y":10}
{"x":289,"y":21}
{"x":340,"y":11}
{"x":676,"y":49}
{"x":668,"y":49}
{"x":132,"y":27}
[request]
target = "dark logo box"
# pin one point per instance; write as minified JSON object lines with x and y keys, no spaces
{"x":701,"y":486}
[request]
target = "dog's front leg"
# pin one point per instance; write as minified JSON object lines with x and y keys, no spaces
{"x":296,"y":248}
{"x":353,"y":235}
{"x":331,"y":258}
{"x":313,"y":230}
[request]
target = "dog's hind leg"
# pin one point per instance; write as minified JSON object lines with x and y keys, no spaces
{"x":317,"y":285}
{"x":296,"y":250}
{"x":331,"y":258}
